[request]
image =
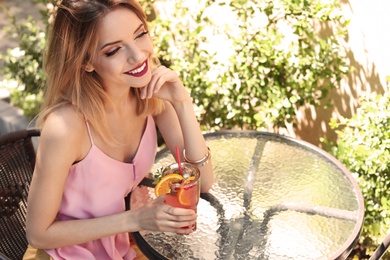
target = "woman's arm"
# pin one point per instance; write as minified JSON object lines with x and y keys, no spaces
{"x":62,"y":143}
{"x":177,"y":123}
{"x":179,"y":127}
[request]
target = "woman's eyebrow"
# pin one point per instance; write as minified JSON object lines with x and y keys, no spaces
{"x":115,"y":42}
{"x":110,"y":43}
{"x":139,"y":27}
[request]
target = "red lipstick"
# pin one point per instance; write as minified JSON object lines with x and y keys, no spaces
{"x":140,"y":70}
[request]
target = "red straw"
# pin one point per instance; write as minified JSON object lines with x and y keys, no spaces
{"x":178,"y":160}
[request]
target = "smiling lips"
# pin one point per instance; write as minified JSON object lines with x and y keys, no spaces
{"x":139,"y":71}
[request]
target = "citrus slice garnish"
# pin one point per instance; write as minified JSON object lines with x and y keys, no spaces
{"x":188,"y":195}
{"x":163,"y":186}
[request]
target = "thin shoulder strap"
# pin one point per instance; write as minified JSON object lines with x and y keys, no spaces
{"x":89,"y":131}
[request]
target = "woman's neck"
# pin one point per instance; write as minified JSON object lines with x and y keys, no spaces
{"x":122,"y":105}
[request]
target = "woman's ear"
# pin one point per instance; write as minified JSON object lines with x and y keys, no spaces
{"x":88,"y":68}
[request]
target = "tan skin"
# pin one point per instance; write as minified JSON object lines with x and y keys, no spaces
{"x":64,"y":141}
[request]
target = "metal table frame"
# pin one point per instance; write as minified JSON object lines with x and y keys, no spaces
{"x":343,"y":251}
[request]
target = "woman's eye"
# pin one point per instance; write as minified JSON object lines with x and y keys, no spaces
{"x":110,"y":53}
{"x":141,"y":34}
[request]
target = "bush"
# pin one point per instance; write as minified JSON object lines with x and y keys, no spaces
{"x":363,"y":145}
{"x":234,"y":57}
{"x":22,"y":71}
{"x":251,"y":64}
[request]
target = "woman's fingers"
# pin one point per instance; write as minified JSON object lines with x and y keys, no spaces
{"x":182,"y":227}
{"x":162,"y":217}
{"x":147,"y":91}
{"x":160,"y":76}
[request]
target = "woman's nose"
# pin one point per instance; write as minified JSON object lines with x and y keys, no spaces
{"x":135,"y":54}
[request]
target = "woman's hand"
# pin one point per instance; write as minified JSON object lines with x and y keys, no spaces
{"x":165,"y":84}
{"x":158,"y":216}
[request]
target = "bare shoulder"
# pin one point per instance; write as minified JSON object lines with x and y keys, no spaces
{"x":64,"y":123}
{"x":64,"y":120}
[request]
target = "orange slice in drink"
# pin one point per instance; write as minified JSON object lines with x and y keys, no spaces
{"x":163,"y":186}
{"x":188,"y":196}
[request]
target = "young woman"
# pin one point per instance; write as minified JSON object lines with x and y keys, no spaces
{"x":103,"y":100}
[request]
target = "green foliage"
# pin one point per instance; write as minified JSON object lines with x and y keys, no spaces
{"x":251,"y":69}
{"x":22,"y":71}
{"x":251,"y":64}
{"x":364,"y":147}
{"x":247,"y":63}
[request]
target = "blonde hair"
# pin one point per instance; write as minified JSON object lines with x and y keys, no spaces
{"x":72,"y":43}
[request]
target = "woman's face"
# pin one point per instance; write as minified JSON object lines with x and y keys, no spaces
{"x":124,"y":50}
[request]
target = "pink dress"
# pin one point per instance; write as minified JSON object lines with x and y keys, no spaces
{"x":97,"y":186}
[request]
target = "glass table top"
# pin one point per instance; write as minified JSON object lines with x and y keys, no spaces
{"x":274,"y":197}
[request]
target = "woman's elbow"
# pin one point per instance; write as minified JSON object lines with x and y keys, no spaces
{"x":205,"y":188}
{"x":34,"y":239}
{"x":206,"y":184}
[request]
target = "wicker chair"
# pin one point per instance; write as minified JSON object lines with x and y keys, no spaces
{"x":17,"y":160}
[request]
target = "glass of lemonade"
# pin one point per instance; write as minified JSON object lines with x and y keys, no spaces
{"x":181,"y":190}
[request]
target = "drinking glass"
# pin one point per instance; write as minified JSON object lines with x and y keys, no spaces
{"x":186,"y":193}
